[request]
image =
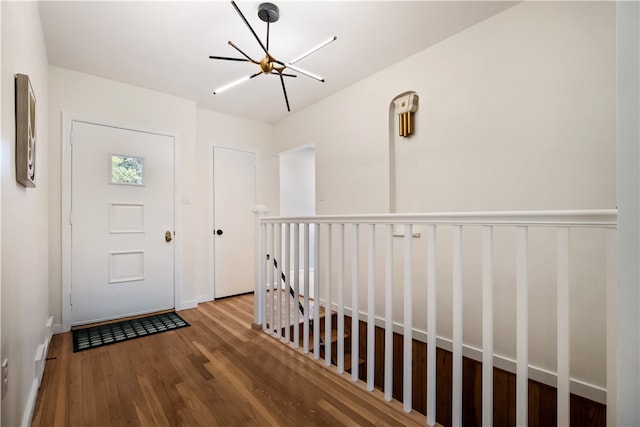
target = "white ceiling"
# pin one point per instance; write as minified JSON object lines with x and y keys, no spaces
{"x":165,"y":46}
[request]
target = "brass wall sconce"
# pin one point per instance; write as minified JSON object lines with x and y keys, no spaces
{"x":405,"y":107}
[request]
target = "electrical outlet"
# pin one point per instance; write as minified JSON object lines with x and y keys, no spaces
{"x":5,"y":377}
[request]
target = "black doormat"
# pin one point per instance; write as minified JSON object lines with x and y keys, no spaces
{"x":97,"y":336}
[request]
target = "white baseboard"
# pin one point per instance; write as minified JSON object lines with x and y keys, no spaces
{"x":205,"y":298}
{"x":56,"y":328}
{"x":42,"y":350}
{"x":31,"y":404}
{"x":185,"y":305}
{"x":48,"y":326}
{"x":39,"y":362}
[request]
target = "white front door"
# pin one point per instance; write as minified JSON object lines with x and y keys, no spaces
{"x":234,"y":187}
{"x":122,"y":222}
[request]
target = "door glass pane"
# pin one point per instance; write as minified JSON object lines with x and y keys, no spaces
{"x":127,"y":170}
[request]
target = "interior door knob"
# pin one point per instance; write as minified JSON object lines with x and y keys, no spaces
{"x":219,"y":232}
{"x":167,"y":236}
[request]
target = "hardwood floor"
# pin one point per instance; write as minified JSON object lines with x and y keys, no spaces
{"x":218,"y":372}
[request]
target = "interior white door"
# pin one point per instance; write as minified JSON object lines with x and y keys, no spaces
{"x":234,"y":187}
{"x":122,"y":222}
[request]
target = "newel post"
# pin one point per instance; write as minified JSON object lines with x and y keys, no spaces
{"x":258,"y":304}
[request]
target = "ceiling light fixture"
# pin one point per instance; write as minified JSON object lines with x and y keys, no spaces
{"x":269,"y":12}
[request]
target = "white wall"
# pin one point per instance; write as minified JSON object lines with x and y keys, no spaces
{"x":505,"y":107}
{"x":298,"y":182}
{"x":221,"y":130}
{"x":516,"y":113}
{"x":25,"y":263}
{"x":298,"y":195}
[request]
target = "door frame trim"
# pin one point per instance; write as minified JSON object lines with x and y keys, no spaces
{"x":67,"y":124}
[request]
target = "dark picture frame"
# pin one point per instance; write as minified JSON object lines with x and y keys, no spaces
{"x":25,"y":131}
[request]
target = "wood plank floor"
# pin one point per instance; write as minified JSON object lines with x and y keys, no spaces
{"x":218,"y":372}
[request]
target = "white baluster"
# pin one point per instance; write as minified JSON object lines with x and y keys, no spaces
{"x":388,"y":313}
{"x":522,"y":328}
{"x":341,"y":303}
{"x":329,"y":303}
{"x":278,"y":289}
{"x":563,"y":334}
{"x":306,"y":289}
{"x":611,"y":268}
{"x":431,"y":324}
{"x":296,"y":284}
{"x":408,"y":318}
{"x":287,"y":281}
{"x":371,"y":299}
{"x":262,"y":296}
{"x":316,"y":293}
{"x":272,"y":275}
{"x":258,"y":308}
{"x":355,"y":310}
{"x":487,"y":325}
{"x":456,"y":415}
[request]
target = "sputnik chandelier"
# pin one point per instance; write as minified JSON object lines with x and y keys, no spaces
{"x":269,"y":13}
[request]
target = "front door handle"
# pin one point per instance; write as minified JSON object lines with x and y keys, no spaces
{"x":167,"y":236}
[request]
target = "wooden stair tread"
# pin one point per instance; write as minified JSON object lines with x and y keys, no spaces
{"x":334,"y":333}
{"x":334,"y":336}
{"x":347,"y":362}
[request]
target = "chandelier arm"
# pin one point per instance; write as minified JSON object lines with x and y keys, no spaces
{"x":284,"y":90}
{"x":226,"y":58}
{"x":279,"y":70}
{"x":301,"y":71}
{"x":243,"y":54}
{"x":283,"y":74}
{"x":249,"y":26}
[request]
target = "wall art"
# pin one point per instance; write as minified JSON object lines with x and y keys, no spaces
{"x":25,"y":131}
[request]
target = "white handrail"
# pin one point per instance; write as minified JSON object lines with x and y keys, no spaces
{"x":570,"y":218}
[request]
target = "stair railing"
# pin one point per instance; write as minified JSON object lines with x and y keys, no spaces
{"x":413,"y":264}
